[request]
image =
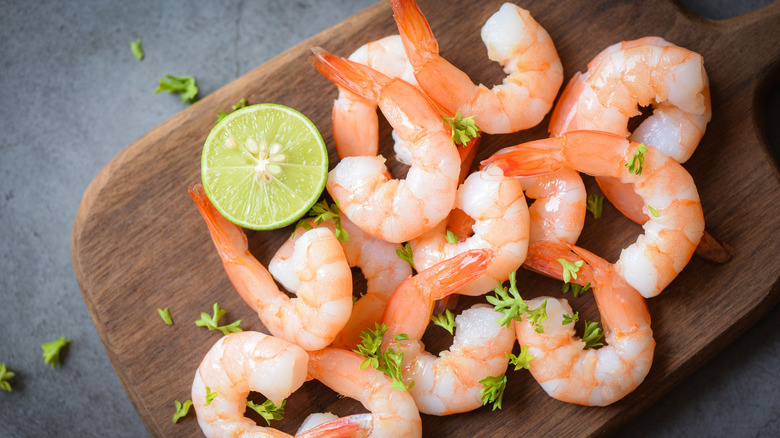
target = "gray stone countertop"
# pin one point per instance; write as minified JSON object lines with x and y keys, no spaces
{"x":68,"y":106}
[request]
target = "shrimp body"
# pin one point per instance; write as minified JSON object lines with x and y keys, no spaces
{"x":570,"y":373}
{"x":670,"y":234}
{"x":393,"y":412}
{"x":513,"y":39}
{"x":237,"y":364}
{"x":394,"y":210}
{"x":499,"y":212}
{"x":648,"y":71}
{"x":324,"y":294}
{"x":380,"y":265}
{"x":355,"y":122}
{"x":449,"y":383}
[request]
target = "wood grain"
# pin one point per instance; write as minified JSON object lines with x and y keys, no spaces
{"x":139,"y":243}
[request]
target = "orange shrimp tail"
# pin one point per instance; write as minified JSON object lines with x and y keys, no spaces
{"x":449,"y":276}
{"x":357,"y":78}
{"x":353,"y":426}
{"x":467,"y":154}
{"x":228,"y":237}
{"x":416,"y":33}
{"x":543,"y":258}
{"x":529,"y":159}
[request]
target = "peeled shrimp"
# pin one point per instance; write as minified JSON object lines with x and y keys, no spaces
{"x":380,"y":265}
{"x":394,"y":210}
{"x":516,"y":41}
{"x":237,"y":364}
{"x":449,"y":383}
{"x":324,"y":299}
{"x":568,"y":372}
{"x":670,"y":238}
{"x":646,"y":71}
{"x":496,"y":206}
{"x":393,"y":412}
{"x":355,"y":122}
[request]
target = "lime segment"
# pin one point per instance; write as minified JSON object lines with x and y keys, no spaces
{"x":264,"y":166}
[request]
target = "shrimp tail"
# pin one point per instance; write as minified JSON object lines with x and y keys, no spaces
{"x":353,"y":426}
{"x":529,"y":159}
{"x":452,"y":274}
{"x":228,"y":237}
{"x":415,"y":32}
{"x":357,"y":78}
{"x":544,"y":258}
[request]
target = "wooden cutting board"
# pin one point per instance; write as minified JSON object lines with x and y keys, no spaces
{"x":139,"y":243}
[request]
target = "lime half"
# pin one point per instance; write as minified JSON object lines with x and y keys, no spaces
{"x":264,"y":166}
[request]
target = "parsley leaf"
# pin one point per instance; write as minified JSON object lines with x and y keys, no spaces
{"x":493,"y":391}
{"x":165,"y":314}
{"x":653,"y":211}
{"x":451,"y":238}
{"x":568,"y":319}
{"x":241,"y":104}
{"x":268,"y":410}
{"x":389,"y":361}
{"x":371,"y":341}
{"x":576,"y":289}
{"x":212,"y":322}
{"x":51,"y":350}
{"x":595,"y":204}
{"x":637,"y":161}
{"x":538,"y":316}
{"x":512,"y":307}
{"x":405,"y":253}
{"x":135,"y":47}
{"x":445,"y":320}
{"x":210,"y":396}
{"x":184,"y":85}
{"x":570,"y":269}
{"x":522,"y":360}
{"x":5,"y":375}
{"x":181,"y":409}
{"x":592,"y":334}
{"x":322,"y":212}
{"x":463,"y":128}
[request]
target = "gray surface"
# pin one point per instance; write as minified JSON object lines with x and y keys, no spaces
{"x":72,"y":96}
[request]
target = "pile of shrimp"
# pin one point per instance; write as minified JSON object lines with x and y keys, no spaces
{"x":463,"y":233}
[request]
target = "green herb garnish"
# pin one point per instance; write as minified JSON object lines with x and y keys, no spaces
{"x":212,"y":322}
{"x":51,"y":350}
{"x":512,"y":307}
{"x":268,"y":410}
{"x":451,"y":238}
{"x":181,"y":409}
{"x":538,"y":316}
{"x":184,"y":85}
{"x":135,"y":47}
{"x":576,"y":289}
{"x":445,"y":320}
{"x":653,"y":211}
{"x":595,"y":204}
{"x":210,"y":396}
{"x":165,"y":314}
{"x":592,"y":334}
{"x":570,"y":269}
{"x":5,"y":376}
{"x":463,"y":128}
{"x":241,"y":104}
{"x":405,"y":253}
{"x":568,"y":319}
{"x":389,"y":361}
{"x":322,"y":212}
{"x":637,"y":161}
{"x":493,"y":391}
{"x":522,"y":360}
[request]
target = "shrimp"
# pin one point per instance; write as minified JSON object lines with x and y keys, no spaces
{"x":324,"y":299}
{"x":381,"y":267}
{"x":516,"y":41}
{"x":568,"y":372}
{"x":355,"y":122}
{"x":668,"y":193}
{"x":394,"y":210}
{"x":498,"y":207}
{"x":237,"y":364}
{"x":393,"y":412}
{"x":646,"y":71}
{"x":449,"y":383}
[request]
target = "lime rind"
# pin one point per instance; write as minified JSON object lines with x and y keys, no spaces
{"x":228,"y":173}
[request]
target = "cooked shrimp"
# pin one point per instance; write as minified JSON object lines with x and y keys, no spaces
{"x":237,"y":364}
{"x":380,"y":265}
{"x":496,"y":206}
{"x":516,"y":41}
{"x":324,"y":298}
{"x":591,"y":377}
{"x":355,"y":121}
{"x":665,"y":187}
{"x":641,"y":72}
{"x":449,"y":383}
{"x":393,"y":412}
{"x":394,"y":210}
